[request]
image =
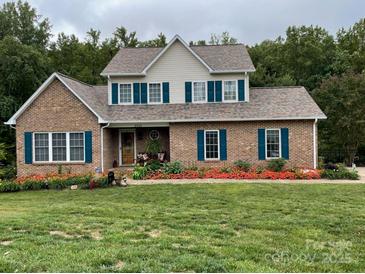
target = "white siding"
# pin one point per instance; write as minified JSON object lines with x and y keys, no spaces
{"x":176,"y":66}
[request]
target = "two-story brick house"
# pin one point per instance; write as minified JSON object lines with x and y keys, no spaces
{"x":196,"y":100}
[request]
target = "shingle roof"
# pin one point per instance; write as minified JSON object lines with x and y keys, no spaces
{"x":218,"y":58}
{"x":279,"y":103}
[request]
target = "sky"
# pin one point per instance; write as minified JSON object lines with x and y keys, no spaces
{"x":250,"y":21}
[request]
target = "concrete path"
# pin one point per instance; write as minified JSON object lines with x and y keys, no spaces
{"x":361,"y":171}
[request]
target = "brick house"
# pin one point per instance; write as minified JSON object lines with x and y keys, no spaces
{"x":194,"y":101}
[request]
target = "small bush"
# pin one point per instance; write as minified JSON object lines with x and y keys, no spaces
{"x":172,"y":168}
{"x":226,"y":169}
{"x":276,"y":164}
{"x":245,"y":166}
{"x":7,"y":173}
{"x":33,"y":185}
{"x":340,"y":172}
{"x":139,"y":172}
{"x":57,"y":183}
{"x":102,"y":182}
{"x":154,"y":165}
{"x":6,"y":186}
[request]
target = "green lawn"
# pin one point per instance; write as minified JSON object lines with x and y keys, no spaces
{"x":196,"y":227}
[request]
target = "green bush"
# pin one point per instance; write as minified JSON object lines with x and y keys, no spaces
{"x":6,"y":186}
{"x":154,"y":165}
{"x":139,"y":172}
{"x":33,"y":185}
{"x":245,"y":166}
{"x":7,"y":173}
{"x":57,"y":183}
{"x":172,"y":168}
{"x":102,"y":182}
{"x":340,"y":173}
{"x":276,"y":164}
{"x":226,"y":169}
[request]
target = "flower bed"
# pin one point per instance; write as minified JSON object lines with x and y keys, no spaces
{"x":235,"y":173}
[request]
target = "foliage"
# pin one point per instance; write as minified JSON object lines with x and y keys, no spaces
{"x":245,"y":166}
{"x":7,"y":172}
{"x":172,"y":167}
{"x":276,"y":164}
{"x":226,"y":169}
{"x":154,"y":165}
{"x":139,"y":172}
{"x":153,"y":146}
{"x":339,"y":171}
{"x":342,"y":98}
{"x":6,"y":186}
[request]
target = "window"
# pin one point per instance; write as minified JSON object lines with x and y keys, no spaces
{"x":230,"y":90}
{"x":199,"y":92}
{"x":41,"y":149}
{"x":59,"y":147}
{"x":76,"y":146}
{"x":154,"y":93}
{"x":211,"y":145}
{"x":125,"y":93}
{"x":273,"y":143}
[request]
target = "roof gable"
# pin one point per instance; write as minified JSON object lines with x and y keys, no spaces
{"x":69,"y":83}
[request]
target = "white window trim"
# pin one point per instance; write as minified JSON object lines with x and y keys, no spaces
{"x":271,"y":158}
{"x":193,"y":91}
{"x":148,"y":93}
{"x":205,"y":148}
{"x":50,"y":154}
{"x":132,"y":91}
{"x":223,"y":85}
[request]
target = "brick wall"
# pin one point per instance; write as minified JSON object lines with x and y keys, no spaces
{"x":56,"y":109}
{"x":242,"y":142}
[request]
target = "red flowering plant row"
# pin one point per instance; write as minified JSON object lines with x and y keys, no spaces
{"x":236,"y":173}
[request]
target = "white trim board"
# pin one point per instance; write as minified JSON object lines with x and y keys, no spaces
{"x":12,"y":120}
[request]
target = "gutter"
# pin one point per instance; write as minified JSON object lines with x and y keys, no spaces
{"x":102,"y":146}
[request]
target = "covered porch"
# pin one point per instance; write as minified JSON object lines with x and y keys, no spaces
{"x":125,"y":146}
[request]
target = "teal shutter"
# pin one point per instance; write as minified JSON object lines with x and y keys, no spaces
{"x":143,"y":93}
{"x":136,"y":94}
{"x":200,"y":144}
{"x":28,"y":147}
{"x":218,"y":91}
{"x":261,"y":144}
{"x":210,"y":91}
{"x":284,"y":143}
{"x":166,"y":92}
{"x":223,"y":144}
{"x":88,"y":147}
{"x":188,"y":92}
{"x":115,"y":93}
{"x":241,"y":90}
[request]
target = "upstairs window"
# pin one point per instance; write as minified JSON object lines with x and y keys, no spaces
{"x":273,"y":143}
{"x":212,"y":145}
{"x":154,"y":93}
{"x":41,"y":148}
{"x":230,"y":90}
{"x":125,"y":93}
{"x":199,"y":92}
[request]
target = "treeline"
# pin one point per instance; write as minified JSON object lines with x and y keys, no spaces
{"x":330,"y":67}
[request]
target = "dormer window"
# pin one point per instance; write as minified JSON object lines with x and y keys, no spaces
{"x":125,"y":93}
{"x":154,"y":93}
{"x":199,"y":92}
{"x":230,"y":91}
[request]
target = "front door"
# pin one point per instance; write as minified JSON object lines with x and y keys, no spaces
{"x":127,"y":142}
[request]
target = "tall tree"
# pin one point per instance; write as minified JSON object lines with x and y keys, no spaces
{"x":342,"y":98}
{"x":160,"y":41}
{"x":124,"y":39}
{"x":223,"y":39}
{"x":21,"y":21}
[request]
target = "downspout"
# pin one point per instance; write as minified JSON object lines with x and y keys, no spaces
{"x":12,"y":127}
{"x":315,"y":143}
{"x":102,"y":145}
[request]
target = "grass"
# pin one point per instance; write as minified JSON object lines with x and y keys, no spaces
{"x":196,"y":227}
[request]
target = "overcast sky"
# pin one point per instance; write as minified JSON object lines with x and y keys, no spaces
{"x":250,"y":21}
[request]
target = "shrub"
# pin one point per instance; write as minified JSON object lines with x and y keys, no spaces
{"x":172,"y":168}
{"x":7,"y":173}
{"x":154,"y":165}
{"x":102,"y":181}
{"x":341,"y":172}
{"x":57,"y":183}
{"x":33,"y":185}
{"x":276,"y":164}
{"x":139,"y":172}
{"x":6,"y":186}
{"x":226,"y":169}
{"x":245,"y":166}
{"x":153,"y":147}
